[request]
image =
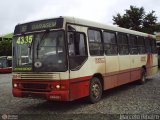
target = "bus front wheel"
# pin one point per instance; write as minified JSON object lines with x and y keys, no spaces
{"x":95,"y":90}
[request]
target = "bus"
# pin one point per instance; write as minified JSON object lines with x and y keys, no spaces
{"x":5,"y":64}
{"x":71,"y":58}
{"x":158,"y":49}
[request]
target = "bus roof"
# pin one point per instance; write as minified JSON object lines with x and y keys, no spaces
{"x":104,"y":26}
{"x":8,"y":57}
{"x":93,"y":24}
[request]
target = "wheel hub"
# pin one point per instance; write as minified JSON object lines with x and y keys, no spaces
{"x":96,"y":90}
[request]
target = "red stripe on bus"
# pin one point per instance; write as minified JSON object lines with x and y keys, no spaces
{"x":5,"y":70}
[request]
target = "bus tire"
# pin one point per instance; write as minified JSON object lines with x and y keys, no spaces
{"x":143,"y":77}
{"x":95,"y":90}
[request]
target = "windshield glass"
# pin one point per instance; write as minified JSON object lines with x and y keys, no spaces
{"x":3,"y":62}
{"x":43,"y":52}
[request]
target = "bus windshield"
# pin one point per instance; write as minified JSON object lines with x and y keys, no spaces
{"x":41,"y":52}
{"x":5,"y":62}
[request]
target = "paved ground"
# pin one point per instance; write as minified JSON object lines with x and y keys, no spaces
{"x":127,"y":99}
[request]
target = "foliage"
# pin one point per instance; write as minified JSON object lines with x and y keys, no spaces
{"x":9,"y":35}
{"x":6,"y":44}
{"x":5,"y":48}
{"x":136,"y":19}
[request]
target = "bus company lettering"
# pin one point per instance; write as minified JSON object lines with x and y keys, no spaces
{"x":99,"y":60}
{"x":43,"y":25}
{"x":143,"y":59}
{"x":24,"y":69}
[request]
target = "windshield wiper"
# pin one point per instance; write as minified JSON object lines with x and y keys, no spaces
{"x":30,"y":50}
{"x":42,"y":38}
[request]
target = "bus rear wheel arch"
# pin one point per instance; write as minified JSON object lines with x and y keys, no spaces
{"x":142,"y":79}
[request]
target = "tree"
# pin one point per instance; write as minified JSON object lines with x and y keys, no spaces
{"x":136,"y":19}
{"x":5,"y":48}
{"x":6,"y":44}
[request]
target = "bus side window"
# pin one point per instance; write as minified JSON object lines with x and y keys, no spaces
{"x":77,"y":49}
{"x":148,"y":45}
{"x":110,"y":44}
{"x":9,"y":63}
{"x":153,"y":46}
{"x":133,"y":44}
{"x":70,"y":37}
{"x":80,"y":48}
{"x":141,"y":47}
{"x":123,"y":46}
{"x":77,"y":45}
{"x":95,"y":42}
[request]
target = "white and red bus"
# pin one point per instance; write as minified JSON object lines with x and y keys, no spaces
{"x":158,"y":49}
{"x":69,"y":58}
{"x":5,"y":64}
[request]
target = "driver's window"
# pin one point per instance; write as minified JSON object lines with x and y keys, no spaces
{"x":71,"y":44}
{"x":76,"y":44}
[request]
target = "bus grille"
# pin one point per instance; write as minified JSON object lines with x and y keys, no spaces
{"x":38,"y":76}
{"x":34,"y":86}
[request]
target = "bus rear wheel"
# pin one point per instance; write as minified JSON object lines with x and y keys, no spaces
{"x":95,"y":90}
{"x":143,"y":77}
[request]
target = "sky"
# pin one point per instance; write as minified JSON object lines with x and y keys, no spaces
{"x":13,"y":12}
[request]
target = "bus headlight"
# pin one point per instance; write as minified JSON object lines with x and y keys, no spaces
{"x":15,"y":85}
{"x":58,"y":86}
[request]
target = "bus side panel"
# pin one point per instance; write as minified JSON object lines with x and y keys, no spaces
{"x":112,"y":69}
{"x":149,"y":64}
{"x":135,"y":74}
{"x":110,"y":81}
{"x":79,"y":89}
{"x":124,"y":69}
{"x":152,"y":64}
{"x":137,"y":61}
{"x":80,"y":79}
{"x":123,"y":77}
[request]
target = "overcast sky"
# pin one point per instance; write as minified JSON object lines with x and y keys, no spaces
{"x":13,"y":12}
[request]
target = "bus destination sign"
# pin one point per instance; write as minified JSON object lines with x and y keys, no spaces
{"x":39,"y":25}
{"x":45,"y":25}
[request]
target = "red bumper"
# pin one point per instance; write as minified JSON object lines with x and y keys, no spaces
{"x":55,"y":95}
{"x":31,"y":90}
{"x":67,"y":90}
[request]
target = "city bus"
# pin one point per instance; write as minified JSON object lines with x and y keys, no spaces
{"x":5,"y":64}
{"x":158,"y":49}
{"x":70,"y":58}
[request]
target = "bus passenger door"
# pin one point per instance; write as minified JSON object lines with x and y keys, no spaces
{"x":77,"y":51}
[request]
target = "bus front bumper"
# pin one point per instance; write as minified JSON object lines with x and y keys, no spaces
{"x":55,"y":95}
{"x":41,"y":89}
